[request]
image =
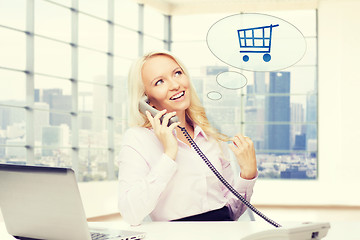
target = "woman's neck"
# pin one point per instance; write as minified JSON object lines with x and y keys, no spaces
{"x":185,"y":122}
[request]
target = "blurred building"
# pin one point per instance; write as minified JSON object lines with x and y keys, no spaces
{"x":278,"y":112}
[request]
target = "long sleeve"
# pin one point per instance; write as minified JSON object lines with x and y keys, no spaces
{"x":243,"y":186}
{"x":140,"y":182}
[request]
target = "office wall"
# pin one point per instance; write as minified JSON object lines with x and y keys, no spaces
{"x":339,"y":116}
{"x":339,"y":124}
{"x":99,"y":198}
{"x":339,"y":96}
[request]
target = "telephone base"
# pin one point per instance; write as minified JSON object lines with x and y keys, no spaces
{"x":305,"y":231}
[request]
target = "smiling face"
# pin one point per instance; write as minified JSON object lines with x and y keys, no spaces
{"x":166,"y":85}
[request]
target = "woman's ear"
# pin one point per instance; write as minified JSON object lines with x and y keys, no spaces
{"x":148,"y":100}
{"x":152,"y":105}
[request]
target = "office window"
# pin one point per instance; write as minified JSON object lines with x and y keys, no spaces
{"x":153,"y":23}
{"x":92,"y":66}
{"x":52,"y":21}
{"x":96,"y":8}
{"x":278,"y":110}
{"x":64,"y":101}
{"x":127,"y":14}
{"x":12,"y":48}
{"x":13,"y":80}
{"x":93,"y":32}
{"x":49,"y":51}
{"x":153,"y":30}
{"x":126,"y":43}
{"x":12,"y":138}
{"x":63,"y":88}
{"x":151,"y":44}
{"x":12,"y":14}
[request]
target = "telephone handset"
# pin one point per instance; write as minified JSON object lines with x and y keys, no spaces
{"x":144,"y":106}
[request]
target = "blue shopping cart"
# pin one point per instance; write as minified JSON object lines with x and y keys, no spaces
{"x":256,"y":40}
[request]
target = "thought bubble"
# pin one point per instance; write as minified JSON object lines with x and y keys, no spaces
{"x":214,"y":95}
{"x":231,"y":80}
{"x":256,"y":42}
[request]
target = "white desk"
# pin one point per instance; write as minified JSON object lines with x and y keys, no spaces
{"x":214,"y":230}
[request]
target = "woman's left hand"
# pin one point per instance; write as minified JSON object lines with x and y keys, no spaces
{"x":244,"y":151}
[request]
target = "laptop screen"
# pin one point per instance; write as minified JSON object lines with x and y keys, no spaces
{"x":42,"y":202}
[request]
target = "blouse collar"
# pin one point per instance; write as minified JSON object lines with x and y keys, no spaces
{"x":198,"y":130}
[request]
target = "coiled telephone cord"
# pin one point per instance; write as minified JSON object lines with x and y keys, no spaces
{"x":223,"y":180}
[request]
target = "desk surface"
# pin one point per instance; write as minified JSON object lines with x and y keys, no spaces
{"x":213,"y":230}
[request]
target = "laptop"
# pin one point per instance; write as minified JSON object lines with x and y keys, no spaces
{"x":45,"y":203}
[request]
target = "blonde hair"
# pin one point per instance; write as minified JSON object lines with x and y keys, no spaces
{"x":195,"y":112}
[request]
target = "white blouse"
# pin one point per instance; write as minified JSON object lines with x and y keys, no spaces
{"x":151,"y":183}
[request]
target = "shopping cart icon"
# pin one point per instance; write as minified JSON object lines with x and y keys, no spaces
{"x":256,"y":40}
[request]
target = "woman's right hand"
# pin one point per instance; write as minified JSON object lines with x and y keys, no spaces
{"x":165,"y":133}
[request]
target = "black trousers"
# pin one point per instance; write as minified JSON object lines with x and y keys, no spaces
{"x":222,"y":214}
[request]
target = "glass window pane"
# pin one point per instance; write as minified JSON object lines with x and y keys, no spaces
{"x":293,"y":108}
{"x":12,"y":88}
{"x":93,"y":33}
{"x":85,"y":124}
{"x":63,"y":2}
{"x":93,"y":132}
{"x":120,"y":98}
{"x":224,"y":117}
{"x":126,"y":42}
{"x":193,"y":27}
{"x":56,"y":93}
{"x":292,"y":150}
{"x":121,"y":67}
{"x":12,"y":13}
{"x":12,"y":135}
{"x":41,"y":120}
{"x":13,"y":155}
{"x":53,"y":156}
{"x":271,"y":108}
{"x":52,"y":57}
{"x":12,"y":121}
{"x":52,"y":130}
{"x":93,"y":165}
{"x":283,"y":137}
{"x":59,"y":119}
{"x":153,"y":23}
{"x":52,"y":21}
{"x":302,"y":19}
{"x":92,"y":66}
{"x":126,"y":13}
{"x":119,"y":128}
{"x":295,"y":80}
{"x":12,"y":49}
{"x":203,"y":57}
{"x":93,"y":99}
{"x":16,"y":134}
{"x":310,"y":54}
{"x":94,"y":7}
{"x":199,"y":85}
{"x":297,"y":165}
{"x":151,"y":44}
{"x":303,"y":79}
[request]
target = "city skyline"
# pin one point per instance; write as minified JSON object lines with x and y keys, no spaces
{"x":258,"y":102}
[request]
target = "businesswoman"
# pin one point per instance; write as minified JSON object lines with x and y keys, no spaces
{"x":160,"y":174}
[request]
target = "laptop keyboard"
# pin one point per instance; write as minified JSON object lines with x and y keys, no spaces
{"x":102,"y":236}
